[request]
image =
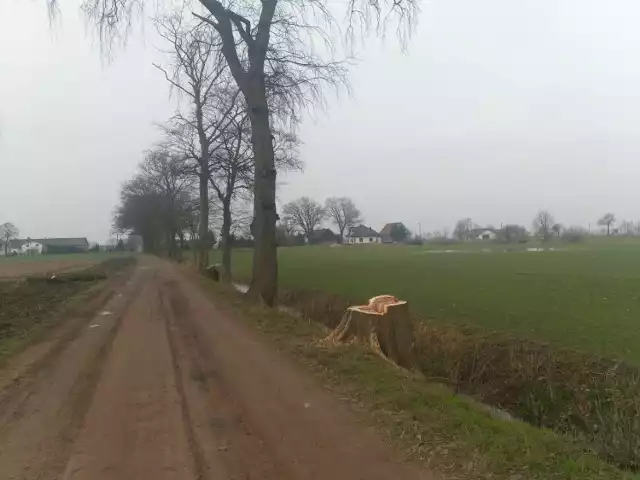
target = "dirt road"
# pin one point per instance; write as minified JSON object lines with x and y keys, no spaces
{"x":161,"y":385}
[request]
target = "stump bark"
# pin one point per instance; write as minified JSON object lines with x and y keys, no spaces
{"x":384,"y":325}
{"x":213,"y":272}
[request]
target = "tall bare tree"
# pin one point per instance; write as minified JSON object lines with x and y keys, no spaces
{"x":344,"y":213}
{"x":231,"y":175}
{"x":8,"y":231}
{"x":607,"y":220}
{"x":305,"y":214}
{"x":232,"y":168}
{"x":543,"y":223}
{"x":196,"y":71}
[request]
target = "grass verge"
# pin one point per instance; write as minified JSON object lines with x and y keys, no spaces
{"x":428,"y":422}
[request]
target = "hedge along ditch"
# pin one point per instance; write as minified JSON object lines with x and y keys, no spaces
{"x":595,"y":399}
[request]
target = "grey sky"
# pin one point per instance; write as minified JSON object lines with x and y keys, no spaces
{"x":499,"y":108}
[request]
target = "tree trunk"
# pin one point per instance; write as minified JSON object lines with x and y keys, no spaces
{"x":226,"y":235}
{"x":203,"y":228}
{"x":384,"y":325}
{"x":265,"y":257}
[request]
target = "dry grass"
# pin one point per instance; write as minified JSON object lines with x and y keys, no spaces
{"x":593,"y":398}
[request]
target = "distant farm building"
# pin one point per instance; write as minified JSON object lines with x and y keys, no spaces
{"x":322,"y":236}
{"x":33,"y":246}
{"x":363,"y":235}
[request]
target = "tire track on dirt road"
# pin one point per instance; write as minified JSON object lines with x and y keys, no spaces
{"x":224,"y":445}
{"x":135,"y":428}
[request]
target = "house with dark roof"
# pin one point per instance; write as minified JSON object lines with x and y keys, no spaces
{"x":482,"y":234}
{"x":386,"y":234}
{"x":362,"y":235}
{"x":63,"y":245}
{"x":322,"y":236}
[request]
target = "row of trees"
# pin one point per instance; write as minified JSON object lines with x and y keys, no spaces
{"x":305,"y":215}
{"x":203,"y":173}
{"x":276,"y":57}
{"x":545,"y":227}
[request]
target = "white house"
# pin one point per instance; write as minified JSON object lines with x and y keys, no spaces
{"x":19,"y":246}
{"x":31,"y":248}
{"x":483,"y":234}
{"x":362,"y":235}
{"x":15,"y":247}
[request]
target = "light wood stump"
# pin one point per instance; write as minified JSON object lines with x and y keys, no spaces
{"x":384,"y":325}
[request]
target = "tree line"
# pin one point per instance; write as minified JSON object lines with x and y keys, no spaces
{"x":203,"y":172}
{"x":305,"y":215}
{"x":545,"y":227}
{"x":267,"y":61}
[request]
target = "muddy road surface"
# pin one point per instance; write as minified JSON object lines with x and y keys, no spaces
{"x":159,"y":384}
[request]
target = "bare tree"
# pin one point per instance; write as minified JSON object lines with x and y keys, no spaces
{"x":232,"y":169}
{"x":197,"y":72}
{"x":344,"y":213}
{"x":231,"y":175}
{"x":543,"y":223}
{"x":607,"y":220}
{"x":556,"y":228}
{"x":306,"y":214}
{"x":463,"y":229}
{"x":8,"y":231}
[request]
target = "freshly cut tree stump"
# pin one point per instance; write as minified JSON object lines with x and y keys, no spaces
{"x":384,"y":325}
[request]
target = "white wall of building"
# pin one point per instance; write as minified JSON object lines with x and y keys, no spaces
{"x":364,"y":240}
{"x":487,"y":235}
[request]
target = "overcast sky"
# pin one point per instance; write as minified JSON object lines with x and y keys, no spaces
{"x":499,"y":108}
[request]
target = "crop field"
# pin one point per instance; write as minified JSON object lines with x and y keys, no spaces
{"x":22,"y":265}
{"x":584,"y":297}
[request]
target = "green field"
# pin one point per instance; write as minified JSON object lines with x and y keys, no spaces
{"x":585,"y":297}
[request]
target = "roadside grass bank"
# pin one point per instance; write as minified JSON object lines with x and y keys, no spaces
{"x":428,"y":422}
{"x":592,"y":399}
{"x":30,"y":306}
